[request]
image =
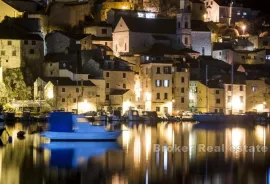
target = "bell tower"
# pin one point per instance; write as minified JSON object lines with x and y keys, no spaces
{"x":183,"y":27}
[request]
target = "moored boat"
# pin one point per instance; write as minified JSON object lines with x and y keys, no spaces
{"x":65,"y":126}
{"x":132,"y":115}
{"x":221,"y":118}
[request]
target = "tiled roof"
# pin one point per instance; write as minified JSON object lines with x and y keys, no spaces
{"x":70,"y":35}
{"x":159,"y":26}
{"x":198,"y":25}
{"x":65,"y":81}
{"x":159,"y":49}
{"x":10,"y":32}
{"x":118,"y":91}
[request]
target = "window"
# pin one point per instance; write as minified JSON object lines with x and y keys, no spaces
{"x":107,"y":85}
{"x":74,"y":100}
{"x":9,"y":43}
{"x":63,"y":99}
{"x":216,"y":110}
{"x":3,"y":53}
{"x":255,"y":57}
{"x":157,"y":109}
{"x":179,"y":25}
{"x":147,"y":58}
{"x":241,"y":88}
{"x":124,"y":75}
{"x":220,"y":53}
{"x":106,"y":43}
{"x":229,"y":99}
{"x":104,"y":31}
{"x":31,"y":51}
{"x":186,"y":40}
{"x":217,"y":92}
{"x":165,"y":96}
{"x":107,"y":97}
{"x":124,"y":86}
{"x":241,"y":99}
{"x":238,"y":13}
{"x":229,"y":88}
{"x":254,"y":89}
{"x":186,"y":25}
{"x":211,"y":2}
{"x":166,"y":83}
{"x":217,"y":101}
{"x":158,"y":83}
{"x":77,"y":90}
{"x":14,"y":53}
{"x":25,"y":42}
{"x":182,"y":90}
{"x":167,"y":70}
{"x":182,"y":100}
{"x":158,"y":70}
{"x":33,"y":42}
{"x":107,"y":74}
{"x":51,"y":73}
{"x":158,"y":96}
{"x":165,"y":110}
{"x":182,"y":79}
{"x":244,"y":13}
{"x":63,"y":90}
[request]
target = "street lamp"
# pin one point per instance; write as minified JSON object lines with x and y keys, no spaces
{"x":244,"y":27}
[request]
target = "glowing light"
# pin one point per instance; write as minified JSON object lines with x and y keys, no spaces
{"x":148,"y":96}
{"x":147,"y":142}
{"x":236,"y":103}
{"x":124,"y":7}
{"x":205,"y":16}
{"x":260,"y":107}
{"x":85,"y":107}
{"x":50,"y":94}
{"x":126,"y":134}
{"x":165,"y":159}
{"x":244,"y":27}
{"x":237,"y":137}
{"x":260,"y":134}
{"x":137,"y":89}
{"x":137,"y":151}
{"x":126,"y":105}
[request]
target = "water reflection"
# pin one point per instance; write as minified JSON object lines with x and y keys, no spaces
{"x":136,"y":161}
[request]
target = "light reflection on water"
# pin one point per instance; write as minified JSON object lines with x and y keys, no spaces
{"x":136,"y":162}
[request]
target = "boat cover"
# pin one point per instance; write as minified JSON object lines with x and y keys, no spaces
{"x":61,"y":122}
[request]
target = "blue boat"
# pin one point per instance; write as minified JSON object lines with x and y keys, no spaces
{"x":66,"y":126}
{"x":73,"y":154}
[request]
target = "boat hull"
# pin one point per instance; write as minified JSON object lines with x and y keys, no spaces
{"x":81,"y":136}
{"x":223,"y":118}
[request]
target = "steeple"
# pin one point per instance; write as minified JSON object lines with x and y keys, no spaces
{"x":183,"y":27}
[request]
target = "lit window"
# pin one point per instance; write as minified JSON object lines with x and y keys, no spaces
{"x":244,"y":13}
{"x":238,"y":13}
{"x":158,"y":83}
{"x":147,"y":58}
{"x":254,"y":89}
{"x":166,"y":83}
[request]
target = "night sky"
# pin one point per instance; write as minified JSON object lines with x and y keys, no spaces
{"x":262,"y":5}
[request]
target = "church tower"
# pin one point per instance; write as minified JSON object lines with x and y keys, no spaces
{"x":183,"y":25}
